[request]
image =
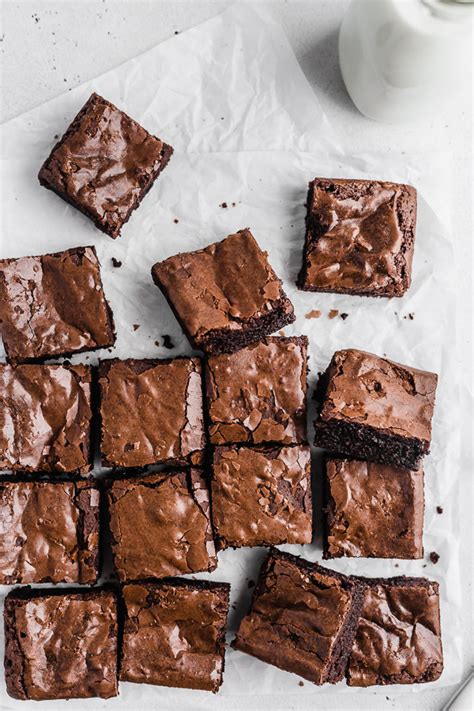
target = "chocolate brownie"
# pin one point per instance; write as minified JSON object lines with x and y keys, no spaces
{"x":45,"y":418}
{"x":174,"y":633}
{"x":151,"y":412}
{"x":49,"y":532}
{"x":261,"y":496}
{"x":104,"y":164}
{"x":60,"y":644}
{"x":53,"y":305}
{"x":160,"y":525}
{"x":398,"y":639}
{"x":375,"y":409}
{"x":302,"y":619}
{"x":258,"y":394}
{"x":225,"y":296}
{"x":360,"y":236}
{"x":373,"y":510}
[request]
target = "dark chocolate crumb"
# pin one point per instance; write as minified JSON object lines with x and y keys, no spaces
{"x":434,"y":557}
{"x":157,"y":343}
{"x":343,"y":316}
{"x":167,"y":342}
{"x":301,"y":683}
{"x":410,"y":316}
{"x":439,"y":509}
{"x":56,"y":136}
{"x":116,"y":262}
{"x":396,"y":565}
{"x":333,"y":313}
{"x":175,"y":220}
{"x":424,"y":565}
{"x":223,"y":204}
{"x":251,"y":583}
{"x":176,"y":32}
{"x":136,"y":326}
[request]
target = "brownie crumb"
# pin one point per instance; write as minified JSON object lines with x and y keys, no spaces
{"x":439,"y":509}
{"x":409,"y":316}
{"x":116,"y":263}
{"x":224,"y":205}
{"x":175,"y":220}
{"x":56,"y":136}
{"x":344,"y":316}
{"x":333,"y":313}
{"x":396,"y":565}
{"x":157,"y":344}
{"x":301,"y":683}
{"x":136,"y":326}
{"x":167,"y":342}
{"x":434,"y":557}
{"x":176,"y":32}
{"x":234,"y":204}
{"x":251,"y":584}
{"x":313,"y":314}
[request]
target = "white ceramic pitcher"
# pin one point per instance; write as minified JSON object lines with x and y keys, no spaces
{"x":402,"y":59}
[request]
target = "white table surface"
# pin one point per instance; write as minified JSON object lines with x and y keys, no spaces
{"x":47,"y":47}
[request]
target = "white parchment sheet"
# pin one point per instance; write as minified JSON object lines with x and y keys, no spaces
{"x":180,"y":91}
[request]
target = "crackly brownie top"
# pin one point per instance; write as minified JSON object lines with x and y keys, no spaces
{"x":259,"y":393}
{"x":67,"y":645}
{"x":374,"y":510}
{"x":368,"y":390}
{"x":361,"y":234}
{"x":160,"y":525}
{"x":50,"y":532}
{"x":224,"y":285}
{"x":262,"y":496}
{"x":151,"y":411}
{"x":45,"y":416}
{"x":53,"y":304}
{"x":103,"y":161}
{"x":297,"y":614}
{"x":398,"y":640}
{"x":174,"y":634}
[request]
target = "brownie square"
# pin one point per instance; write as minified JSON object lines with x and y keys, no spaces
{"x":104,"y":164}
{"x":53,"y":305}
{"x":45,"y":418}
{"x":375,"y":409}
{"x":151,"y":412}
{"x":160,"y":525}
{"x":360,"y":237}
{"x":261,"y":496}
{"x":225,"y":296}
{"x":302,"y":619}
{"x":174,"y":633}
{"x":398,"y":639}
{"x":258,"y":394}
{"x":49,"y":532}
{"x":373,"y":510}
{"x":60,"y":644}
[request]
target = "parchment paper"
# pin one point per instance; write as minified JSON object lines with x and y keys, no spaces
{"x":215,"y":92}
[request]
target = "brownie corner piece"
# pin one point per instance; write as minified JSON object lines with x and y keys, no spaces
{"x":54,"y":305}
{"x":160,"y":525}
{"x":104,"y":164}
{"x":302,"y":618}
{"x":375,"y":409}
{"x":197,"y":611}
{"x":372,"y":510}
{"x":360,"y":237}
{"x":71,"y":654}
{"x":402,"y":609}
{"x":35,"y":443}
{"x":151,"y":412}
{"x":258,"y":394}
{"x":261,"y":496}
{"x":225,"y":296}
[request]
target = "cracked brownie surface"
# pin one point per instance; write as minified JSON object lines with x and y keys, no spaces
{"x":151,"y":412}
{"x":160,"y":525}
{"x":45,"y":418}
{"x":53,"y":305}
